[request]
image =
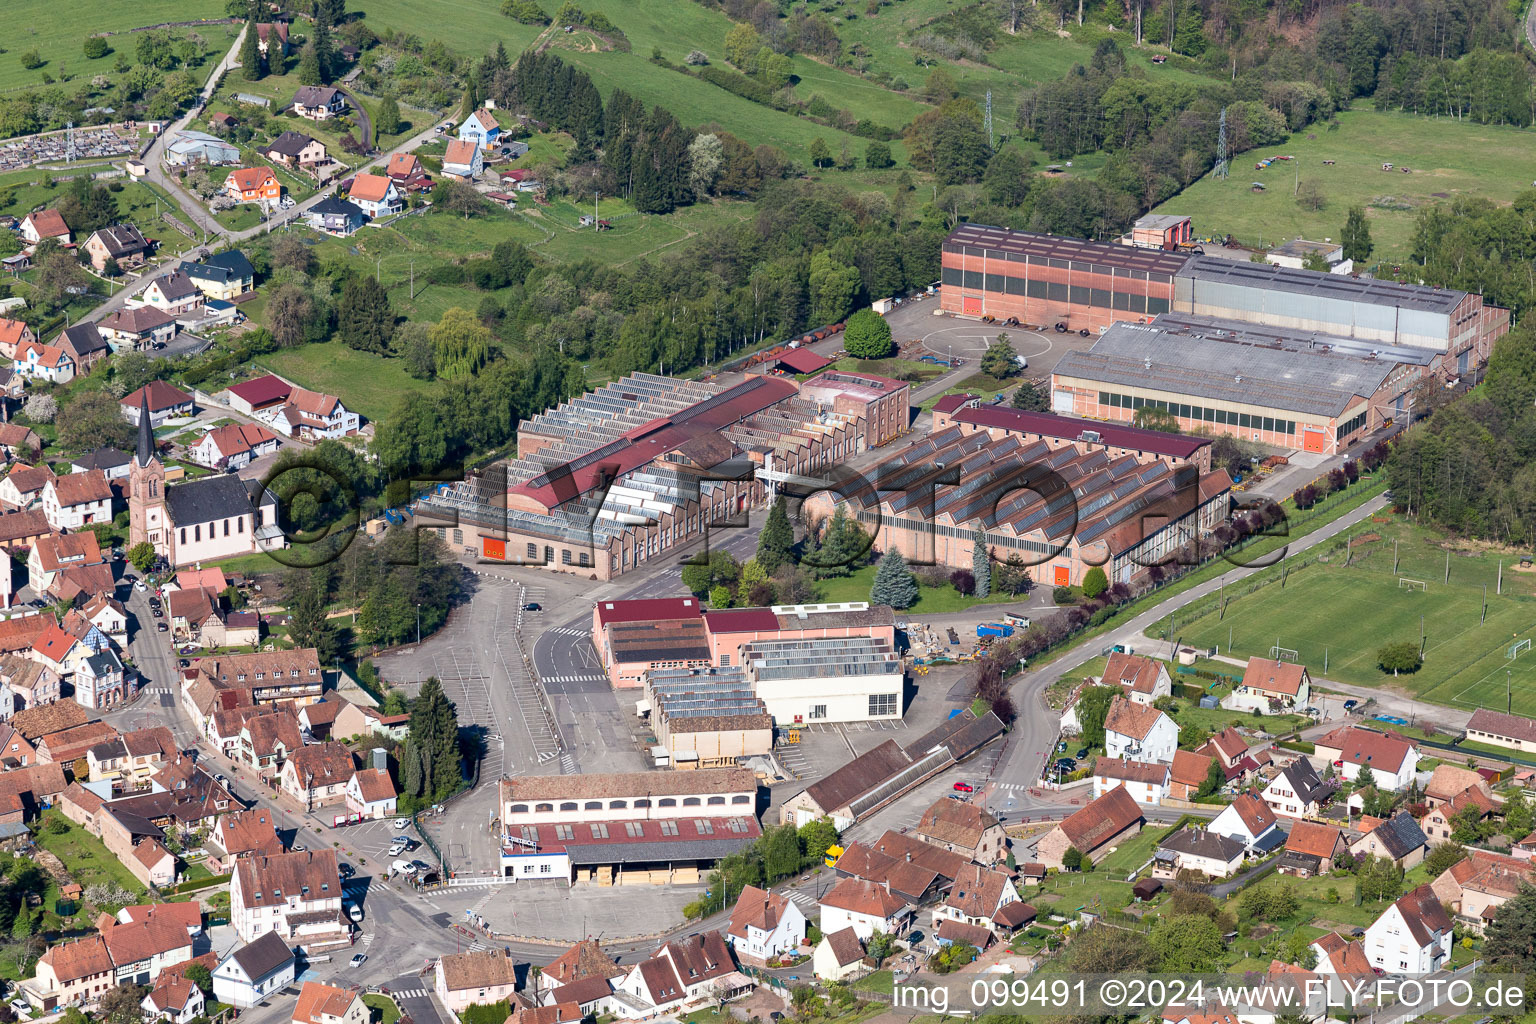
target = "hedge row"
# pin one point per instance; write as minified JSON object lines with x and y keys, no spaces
{"x":200,"y":883}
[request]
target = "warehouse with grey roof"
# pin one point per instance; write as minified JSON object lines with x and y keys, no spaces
{"x":1283,"y":387}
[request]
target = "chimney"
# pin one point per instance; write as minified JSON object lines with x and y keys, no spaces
{"x":380,"y":759}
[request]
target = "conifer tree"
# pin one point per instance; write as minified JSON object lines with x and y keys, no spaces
{"x":894,"y":584}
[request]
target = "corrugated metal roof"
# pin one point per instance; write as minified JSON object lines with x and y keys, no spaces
{"x":1330,"y":286}
{"x":985,"y":236}
{"x":1254,"y":369}
{"x":1071,"y":428}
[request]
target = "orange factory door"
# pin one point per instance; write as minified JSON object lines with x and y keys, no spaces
{"x":495,"y":550}
{"x":971,"y":305}
{"x":1314,"y":440}
{"x":1063,"y":576}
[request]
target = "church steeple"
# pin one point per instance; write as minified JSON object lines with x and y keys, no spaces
{"x":146,"y":449}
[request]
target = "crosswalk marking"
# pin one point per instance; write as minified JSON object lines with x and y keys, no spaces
{"x":573,"y":679}
{"x":567,"y":765}
{"x":567,"y":631}
{"x":477,"y":946}
{"x":411,"y":993}
{"x":805,"y":899}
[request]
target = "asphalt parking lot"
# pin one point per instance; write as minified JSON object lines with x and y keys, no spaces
{"x":914,"y":323}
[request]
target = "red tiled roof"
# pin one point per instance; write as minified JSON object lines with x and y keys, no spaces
{"x":803,"y":360}
{"x":1274,"y":676}
{"x":370,"y":187}
{"x":460,"y":151}
{"x":1102,"y":820}
{"x":949,"y":403}
{"x":262,"y":390}
{"x":48,"y":223}
{"x":742,"y":620}
{"x":1313,"y":839}
{"x":247,"y":179}
{"x":162,"y":396}
{"x":1190,"y":768}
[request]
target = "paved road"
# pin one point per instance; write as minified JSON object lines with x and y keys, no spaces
{"x":1033,"y":738}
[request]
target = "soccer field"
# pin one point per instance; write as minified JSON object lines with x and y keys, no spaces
{"x":1339,"y":616}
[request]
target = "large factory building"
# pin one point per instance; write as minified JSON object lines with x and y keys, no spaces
{"x":1284,"y":388}
{"x":1045,"y":281}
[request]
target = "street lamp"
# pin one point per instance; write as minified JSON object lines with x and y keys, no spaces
{"x":418,"y":623}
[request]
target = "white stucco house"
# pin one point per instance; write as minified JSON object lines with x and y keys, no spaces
{"x":1139,"y":732}
{"x":1413,"y":935}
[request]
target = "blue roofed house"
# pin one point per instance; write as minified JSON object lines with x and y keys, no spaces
{"x":482,"y":128}
{"x":335,"y":216}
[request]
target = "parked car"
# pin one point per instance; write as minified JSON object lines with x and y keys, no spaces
{"x":401,"y":824}
{"x":358,"y":959}
{"x":162,"y":627}
{"x":533,"y":606}
{"x":1082,"y":752}
{"x":964,"y":787}
{"x":396,"y":848}
{"x":1066,"y":765}
{"x":1350,"y":705}
{"x":355,"y":913}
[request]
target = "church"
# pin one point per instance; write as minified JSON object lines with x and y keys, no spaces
{"x":218,"y":516}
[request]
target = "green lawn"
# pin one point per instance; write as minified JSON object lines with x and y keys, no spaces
{"x":381,"y":1008}
{"x":1345,"y":613}
{"x":367,"y":383}
{"x":85,"y":857}
{"x":23,"y":191}
{"x":57,"y":37}
{"x":1448,"y":159}
{"x":930,"y":600}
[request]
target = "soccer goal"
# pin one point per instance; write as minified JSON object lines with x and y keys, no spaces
{"x":1283,"y":654}
{"x":1518,"y":648}
{"x":1404,"y":583}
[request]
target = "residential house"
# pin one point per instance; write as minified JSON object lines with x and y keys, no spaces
{"x":690,"y":971}
{"x":250,"y":974}
{"x":174,"y":999}
{"x":153,"y":865}
{"x":20,"y":530}
{"x":15,"y":751}
{"x":77,"y":500}
{"x":335,"y":216}
{"x":165,"y":403}
{"x":14,"y":334}
{"x":865,"y":907}
{"x":583,"y":961}
{"x":1476,"y":886}
{"x":1298,"y":791}
{"x":101,"y":683}
{"x":523,"y":180}
{"x":1093,"y":830}
{"x":1250,"y":821}
{"x":1496,"y":728}
{"x":31,"y":683}
{"x":1412,"y":937}
{"x":402,"y":167}
{"x":234,"y":446}
{"x":1449,"y":782}
{"x":17,"y":441}
{"x":106,"y":614}
{"x":122,"y":243}
{"x":1143,"y":680}
{"x":173,"y":293}
{"x":139,"y":328}
{"x":1399,"y":839}
{"x":1138,"y":732}
{"x":189,"y":611}
{"x":22,"y":488}
{"x":1442,"y":821}
{"x":54,"y":553}
{"x":326,"y":1004}
{"x":765,"y":925}
{"x":462,"y":980}
{"x":1146,"y":781}
{"x":312,"y":416}
{"x":36,"y":723}
{"x":318,"y":774}
{"x":1198,"y":849}
{"x":319,"y":102}
{"x":463,"y":160}
{"x":278,"y":677}
{"x":1340,"y":956}
{"x":1229,"y":748}
{"x":1270,"y":687}
{"x":1390,"y":759}
{"x":36,"y":361}
{"x":134,"y":757}
{"x":60,"y":653}
{"x":78,"y":971}
{"x":964,"y":828}
{"x":84,"y":344}
{"x":317,"y":721}
{"x":296,"y":895}
{"x":295,"y":149}
{"x":253,"y":185}
{"x":267,"y":741}
{"x":64,"y":746}
{"x":839,"y":956}
{"x":356,"y":720}
{"x":31,"y":788}
{"x":112,"y":463}
{"x":1310,"y":849}
{"x":983,"y":897}
{"x":268,"y":33}
{"x":371,"y":793}
{"x":375,"y":195}
{"x":481,"y":128}
{"x":225,"y":275}
{"x":45,"y":224}
{"x":251,"y":833}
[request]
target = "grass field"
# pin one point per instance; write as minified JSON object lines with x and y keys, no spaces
{"x":42,"y":26}
{"x":1448,"y":159}
{"x":368,"y":383}
{"x":1345,"y":613}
